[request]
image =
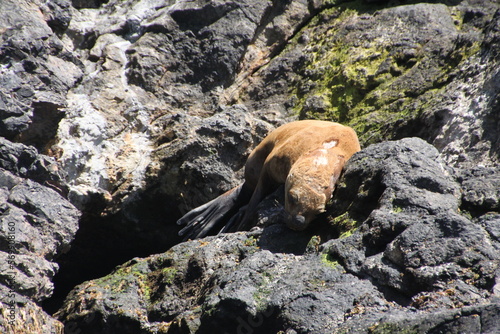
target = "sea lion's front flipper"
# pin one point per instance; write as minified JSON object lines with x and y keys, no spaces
{"x":234,"y":222}
{"x":242,"y":221}
{"x":212,"y":215}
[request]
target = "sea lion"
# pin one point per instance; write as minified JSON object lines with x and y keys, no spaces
{"x":307,"y":156}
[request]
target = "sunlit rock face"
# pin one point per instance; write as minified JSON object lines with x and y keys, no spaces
{"x":116,"y":117}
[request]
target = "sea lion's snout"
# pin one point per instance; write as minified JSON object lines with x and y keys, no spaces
{"x":296,"y":222}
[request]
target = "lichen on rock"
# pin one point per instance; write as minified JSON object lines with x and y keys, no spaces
{"x":378,"y":70}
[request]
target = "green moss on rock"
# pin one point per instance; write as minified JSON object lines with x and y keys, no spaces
{"x":126,"y":277}
{"x":169,"y":275}
{"x":372,"y":79}
{"x":327,"y":260}
{"x":344,"y":224}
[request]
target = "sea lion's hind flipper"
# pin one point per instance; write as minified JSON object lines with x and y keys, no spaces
{"x":204,"y":223}
{"x":202,"y":220}
{"x":195,"y":215}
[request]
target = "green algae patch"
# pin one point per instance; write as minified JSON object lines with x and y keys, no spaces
{"x":344,"y":224}
{"x":169,"y":275}
{"x":313,"y":244}
{"x":360,"y":74}
{"x":126,"y":278}
{"x":348,"y":80}
{"x":263,"y":291}
{"x":122,"y":274}
{"x":397,"y":209}
{"x":329,"y":261}
{"x":251,"y":241}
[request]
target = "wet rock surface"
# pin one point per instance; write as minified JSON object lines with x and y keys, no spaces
{"x":118,"y":116}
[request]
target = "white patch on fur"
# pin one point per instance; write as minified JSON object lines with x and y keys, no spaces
{"x":330,"y":144}
{"x":322,"y":160}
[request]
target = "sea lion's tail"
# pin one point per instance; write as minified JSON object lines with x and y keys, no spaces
{"x":213,"y":215}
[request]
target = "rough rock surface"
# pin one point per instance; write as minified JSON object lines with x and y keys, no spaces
{"x":37,"y":225}
{"x":422,"y":69}
{"x":21,"y":315}
{"x":136,"y":111}
{"x":209,"y":151}
{"x":36,"y":72}
{"x":412,"y":263}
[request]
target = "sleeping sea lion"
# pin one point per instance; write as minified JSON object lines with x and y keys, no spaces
{"x":307,"y":156}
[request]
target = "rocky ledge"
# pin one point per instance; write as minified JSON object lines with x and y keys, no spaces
{"x":118,"y":116}
{"x":405,"y":260}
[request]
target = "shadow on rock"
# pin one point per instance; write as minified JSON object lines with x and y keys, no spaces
{"x":413,"y":257}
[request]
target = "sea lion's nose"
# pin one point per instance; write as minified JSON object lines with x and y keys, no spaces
{"x":297,"y":222}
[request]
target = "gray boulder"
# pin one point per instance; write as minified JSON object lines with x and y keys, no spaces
{"x":415,"y":236}
{"x":21,"y":315}
{"x":411,"y":262}
{"x":480,"y":189}
{"x":37,"y":225}
{"x":37,"y":71}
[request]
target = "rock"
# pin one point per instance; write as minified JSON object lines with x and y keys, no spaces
{"x":87,"y":4}
{"x":380,"y":72}
{"x":38,"y":225}
{"x":137,"y":111}
{"x":413,"y":257}
{"x":480,"y":188}
{"x":25,"y":161}
{"x":217,"y":147}
{"x":490,"y":222}
{"x":19,"y":315}
{"x":236,"y":295}
{"x":57,"y":15}
{"x":208,"y":150}
{"x":36,"y":77}
{"x":479,"y":319}
{"x":416,"y":238}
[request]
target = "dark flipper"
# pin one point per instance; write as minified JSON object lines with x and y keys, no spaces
{"x":213,"y":215}
{"x":234,"y":223}
{"x":242,"y":220}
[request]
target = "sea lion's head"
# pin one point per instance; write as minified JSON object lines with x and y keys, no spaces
{"x":309,"y":186}
{"x":302,"y":205}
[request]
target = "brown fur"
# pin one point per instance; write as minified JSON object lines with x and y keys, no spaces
{"x":287,"y":156}
{"x":307,"y":156}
